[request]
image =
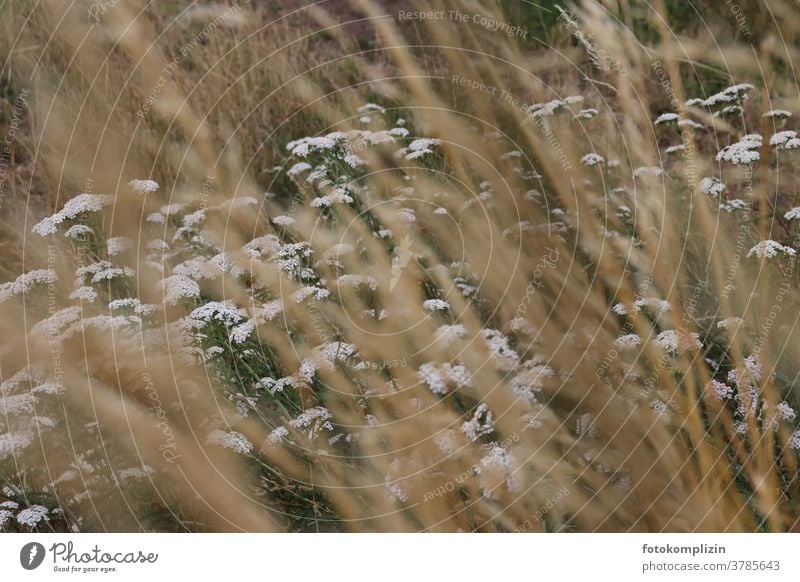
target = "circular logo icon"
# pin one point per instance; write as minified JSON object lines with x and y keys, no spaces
{"x":31,"y":555}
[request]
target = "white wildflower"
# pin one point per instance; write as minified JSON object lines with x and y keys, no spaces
{"x":777,"y":113}
{"x":735,"y":204}
{"x":31,"y":516}
{"x":785,"y":412}
{"x":743,"y":152}
{"x":241,"y":332}
{"x":782,"y":137}
{"x":233,"y":440}
{"x":712,"y":186}
{"x":177,"y":287}
{"x":538,"y":110}
{"x":480,"y":424}
{"x":144,"y":186}
{"x":118,"y":245}
{"x":13,"y":442}
{"x":592,"y":159}
{"x":356,"y":281}
{"x":78,"y":230}
{"x":27,"y":282}
{"x":367,"y":107}
{"x":720,"y":390}
{"x":156,"y":218}
{"x":439,"y":377}
{"x":497,"y":467}
{"x":283,"y":220}
{"x":299,"y":168}
{"x":528,"y":382}
{"x":278,"y":434}
{"x":500,"y":352}
{"x":80,"y":204}
{"x":657,"y":305}
{"x":588,"y":113}
{"x":769,"y":248}
{"x":447,"y":334}
{"x":794,"y":440}
{"x":87,"y":294}
{"x":407,"y":215}
{"x":224,"y":312}
{"x":666,"y":118}
{"x":689,"y":123}
{"x":628,"y":342}
{"x":420,"y":147}
{"x":435,"y":305}
{"x":620,"y":309}
{"x":673,"y":340}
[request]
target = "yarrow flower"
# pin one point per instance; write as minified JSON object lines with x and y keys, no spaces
{"x":283,"y":221}
{"x":769,"y":248}
{"x":80,"y":204}
{"x":779,"y":113}
{"x":628,"y":342}
{"x":666,"y":118}
{"x":743,"y":152}
{"x":592,"y":159}
{"x":731,"y":94}
{"x":118,"y":245}
{"x":31,"y":516}
{"x":435,"y":305}
{"x":420,"y":147}
{"x":144,"y":186}
{"x":233,"y":440}
{"x":26,"y":282}
{"x":440,"y":377}
{"x":721,"y":390}
{"x":782,"y":137}
{"x":712,"y":186}
{"x":793,"y":214}
{"x":732,"y":205}
{"x":177,"y":287}
{"x":674,"y":340}
{"x":785,"y":412}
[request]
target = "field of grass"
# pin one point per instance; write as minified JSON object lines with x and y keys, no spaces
{"x":493,"y":266}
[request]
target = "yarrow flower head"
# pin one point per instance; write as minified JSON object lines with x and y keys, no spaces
{"x":144,"y":186}
{"x":80,"y":204}
{"x":777,"y":113}
{"x":233,"y":440}
{"x":721,"y":390}
{"x":712,"y":186}
{"x":440,"y":377}
{"x":628,"y":342}
{"x":666,"y":118}
{"x":592,"y":159}
{"x":435,"y":305}
{"x":31,"y":516}
{"x":767,"y":249}
{"x":674,"y":341}
{"x":26,"y":282}
{"x":743,"y":152}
